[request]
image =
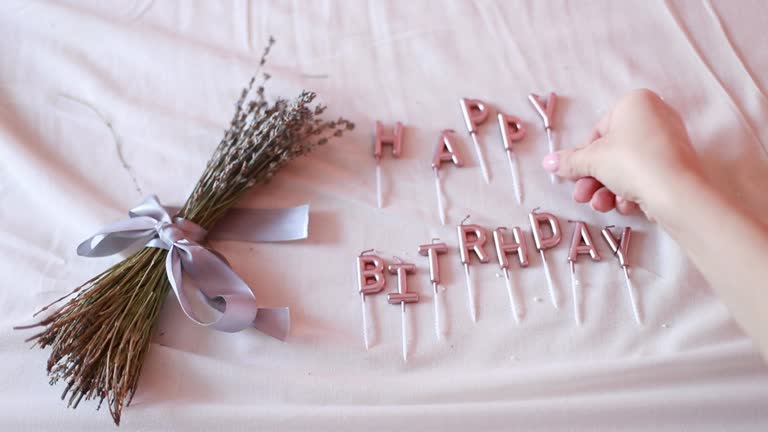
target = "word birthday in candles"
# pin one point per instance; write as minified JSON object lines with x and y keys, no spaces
{"x":473,"y":241}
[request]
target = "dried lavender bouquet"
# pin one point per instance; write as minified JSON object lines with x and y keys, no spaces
{"x":99,"y":338}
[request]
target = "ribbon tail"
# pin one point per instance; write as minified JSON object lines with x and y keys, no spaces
{"x":263,"y":225}
{"x":225,"y":292}
{"x":275,"y":322}
{"x":237,"y":310}
{"x":118,"y":236}
{"x":260,"y":225}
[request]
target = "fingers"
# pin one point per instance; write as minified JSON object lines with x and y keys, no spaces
{"x":603,"y":200}
{"x":626,"y":207}
{"x":602,"y":126}
{"x":575,"y":163}
{"x":589,"y":190}
{"x":584,"y":165}
{"x":585,"y":188}
{"x":583,"y":160}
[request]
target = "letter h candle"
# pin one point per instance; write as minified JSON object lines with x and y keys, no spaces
{"x":504,"y":247}
{"x":395,"y":139}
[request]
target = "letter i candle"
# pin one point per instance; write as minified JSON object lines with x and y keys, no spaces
{"x":401,"y":297}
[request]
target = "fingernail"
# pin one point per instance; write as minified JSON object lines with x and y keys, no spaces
{"x":551,"y":162}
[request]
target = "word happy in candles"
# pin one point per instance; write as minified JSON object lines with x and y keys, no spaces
{"x":475,"y":113}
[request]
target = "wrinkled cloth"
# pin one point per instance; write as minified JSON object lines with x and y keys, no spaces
{"x":104,"y":102}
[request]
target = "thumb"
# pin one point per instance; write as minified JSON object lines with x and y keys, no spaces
{"x":575,"y":163}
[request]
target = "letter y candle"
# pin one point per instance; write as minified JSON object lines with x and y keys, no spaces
{"x":620,"y":248}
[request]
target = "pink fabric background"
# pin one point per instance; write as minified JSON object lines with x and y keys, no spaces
{"x":165,"y":74}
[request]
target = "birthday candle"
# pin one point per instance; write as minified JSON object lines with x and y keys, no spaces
{"x":382,"y":138}
{"x":472,"y":238}
{"x":475,"y":113}
{"x":445,"y":152}
{"x":546,"y":110}
{"x":504,"y":247}
{"x":370,"y":280}
{"x":621,"y":250}
{"x":581,"y":244}
{"x":543,"y":243}
{"x":432,"y":250}
{"x":512,"y":130}
{"x":401,"y":297}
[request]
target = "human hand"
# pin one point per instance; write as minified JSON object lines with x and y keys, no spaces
{"x":633,"y":157}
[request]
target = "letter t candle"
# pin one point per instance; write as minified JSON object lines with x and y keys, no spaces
{"x":432,"y":250}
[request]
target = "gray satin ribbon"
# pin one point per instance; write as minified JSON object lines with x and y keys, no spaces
{"x":196,"y":269}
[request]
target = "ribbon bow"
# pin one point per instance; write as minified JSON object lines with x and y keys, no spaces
{"x":196,"y":269}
